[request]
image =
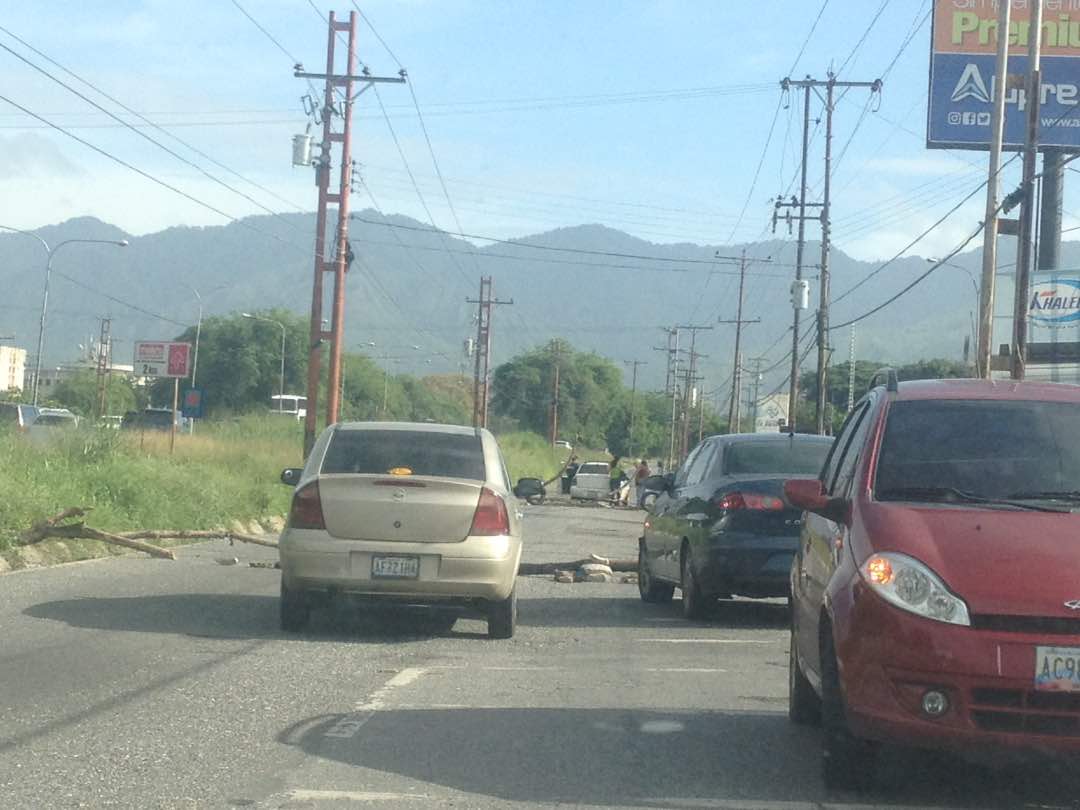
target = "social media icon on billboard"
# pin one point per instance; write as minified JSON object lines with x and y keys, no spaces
{"x":968,"y":119}
{"x":984,"y":119}
{"x":954,"y":118}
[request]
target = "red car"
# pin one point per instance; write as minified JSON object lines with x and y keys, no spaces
{"x":936,"y":589}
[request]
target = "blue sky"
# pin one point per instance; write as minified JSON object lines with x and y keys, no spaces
{"x":521,"y":101}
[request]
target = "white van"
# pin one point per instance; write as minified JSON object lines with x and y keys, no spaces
{"x":292,"y":405}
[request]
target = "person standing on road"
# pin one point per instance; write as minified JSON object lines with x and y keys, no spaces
{"x":617,"y":479}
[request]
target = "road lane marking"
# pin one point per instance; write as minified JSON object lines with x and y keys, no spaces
{"x":300,"y":794}
{"x":705,"y":641}
{"x":662,"y":727}
{"x":677,"y":670}
{"x":348,"y":725}
{"x":405,"y":677}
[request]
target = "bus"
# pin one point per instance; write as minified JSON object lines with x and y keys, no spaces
{"x":292,"y":405}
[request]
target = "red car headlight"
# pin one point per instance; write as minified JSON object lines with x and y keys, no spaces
{"x":906,"y":583}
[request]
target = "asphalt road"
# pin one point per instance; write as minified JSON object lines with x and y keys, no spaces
{"x":142,"y":683}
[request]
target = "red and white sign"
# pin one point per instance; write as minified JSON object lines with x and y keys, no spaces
{"x":162,"y":359}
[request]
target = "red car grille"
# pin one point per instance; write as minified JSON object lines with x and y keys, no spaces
{"x":1038,"y":625}
{"x":1026,"y":712}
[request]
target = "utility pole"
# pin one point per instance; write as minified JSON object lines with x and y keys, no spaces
{"x":824,"y":295}
{"x":734,"y":415}
{"x":809,"y":85}
{"x":671,"y":386}
{"x":104,"y":365}
{"x":757,"y":390}
{"x":701,"y":412}
{"x":1027,"y":210}
{"x":985,"y":332}
{"x":633,"y":399}
{"x":851,"y":372}
{"x":556,"y":350}
{"x":482,"y":373}
{"x":333,"y":107}
{"x":688,"y":387}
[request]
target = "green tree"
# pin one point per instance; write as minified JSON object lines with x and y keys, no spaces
{"x":590,"y":392}
{"x":80,"y":394}
{"x":839,"y":377}
{"x":240,"y":360}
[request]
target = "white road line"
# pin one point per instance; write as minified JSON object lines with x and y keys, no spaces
{"x":351,"y":795}
{"x":686,"y":670}
{"x":405,"y":677}
{"x":350,"y":724}
{"x":705,"y":641}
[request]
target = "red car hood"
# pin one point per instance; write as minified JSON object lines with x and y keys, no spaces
{"x":999,"y":561}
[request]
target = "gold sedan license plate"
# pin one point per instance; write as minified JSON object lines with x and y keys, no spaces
{"x":395,"y":567}
{"x":1057,"y":669}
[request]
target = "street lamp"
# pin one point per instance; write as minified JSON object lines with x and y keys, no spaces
{"x":974,"y":285}
{"x":50,"y":252}
{"x":281,"y":379}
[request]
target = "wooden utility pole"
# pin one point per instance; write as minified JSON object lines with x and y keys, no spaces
{"x":671,"y":388}
{"x":683,"y":421}
{"x":808,"y":84}
{"x":1027,"y":210}
{"x":482,"y":373}
{"x":985,"y":332}
{"x":341,"y":108}
{"x":734,"y":415}
{"x":104,"y":366}
{"x":633,"y":399}
{"x":556,"y":359}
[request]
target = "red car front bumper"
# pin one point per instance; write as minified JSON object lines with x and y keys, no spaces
{"x":889,"y":659}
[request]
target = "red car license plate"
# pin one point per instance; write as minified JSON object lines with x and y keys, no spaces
{"x":1057,"y":669}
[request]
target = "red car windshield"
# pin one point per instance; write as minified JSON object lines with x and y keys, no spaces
{"x":985,"y":448}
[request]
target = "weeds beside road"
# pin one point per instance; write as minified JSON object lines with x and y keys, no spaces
{"x":225,"y":472}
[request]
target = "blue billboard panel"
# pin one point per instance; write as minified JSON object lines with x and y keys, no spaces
{"x":962,"y":90}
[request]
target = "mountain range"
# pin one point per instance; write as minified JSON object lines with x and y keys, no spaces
{"x":599,"y":288}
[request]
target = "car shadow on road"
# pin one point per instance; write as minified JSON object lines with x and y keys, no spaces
{"x":244,"y":617}
{"x":629,"y":611}
{"x":643,"y":758}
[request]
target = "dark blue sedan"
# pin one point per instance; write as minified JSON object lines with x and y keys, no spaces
{"x":720,"y":526}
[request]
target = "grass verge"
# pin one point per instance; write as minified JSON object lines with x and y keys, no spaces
{"x":224,"y":473}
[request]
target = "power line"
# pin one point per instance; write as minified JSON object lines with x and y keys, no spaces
{"x":609,"y":254}
{"x":866,"y":33}
{"x":757,"y":171}
{"x":266,"y":33}
{"x":914,"y":283}
{"x":809,"y":34}
{"x":144,"y":174}
{"x":145,"y":120}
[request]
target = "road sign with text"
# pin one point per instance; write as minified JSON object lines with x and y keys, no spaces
{"x":162,"y":359}
{"x":962,"y":74}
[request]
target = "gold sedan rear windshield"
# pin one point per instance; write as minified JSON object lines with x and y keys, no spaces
{"x":405,"y":452}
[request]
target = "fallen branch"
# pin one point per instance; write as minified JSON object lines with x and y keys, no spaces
{"x":549,"y":569}
{"x":39,"y":531}
{"x":181,"y":534}
{"x":115,"y":539}
{"x":258,"y":541}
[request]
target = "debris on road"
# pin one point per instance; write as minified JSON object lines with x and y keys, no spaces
{"x":549,"y":569}
{"x":565,"y":577}
{"x":228,"y":560}
{"x":55,"y":527}
{"x":264,"y":564}
{"x":250,"y":538}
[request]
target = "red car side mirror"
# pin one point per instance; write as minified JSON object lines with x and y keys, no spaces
{"x":809,"y":495}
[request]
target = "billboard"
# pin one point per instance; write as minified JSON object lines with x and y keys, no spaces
{"x":159,"y":358}
{"x":963,"y":56}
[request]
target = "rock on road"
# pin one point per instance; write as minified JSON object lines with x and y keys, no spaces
{"x":139,"y":683}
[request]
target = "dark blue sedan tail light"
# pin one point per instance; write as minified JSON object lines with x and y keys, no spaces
{"x":748,"y":500}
